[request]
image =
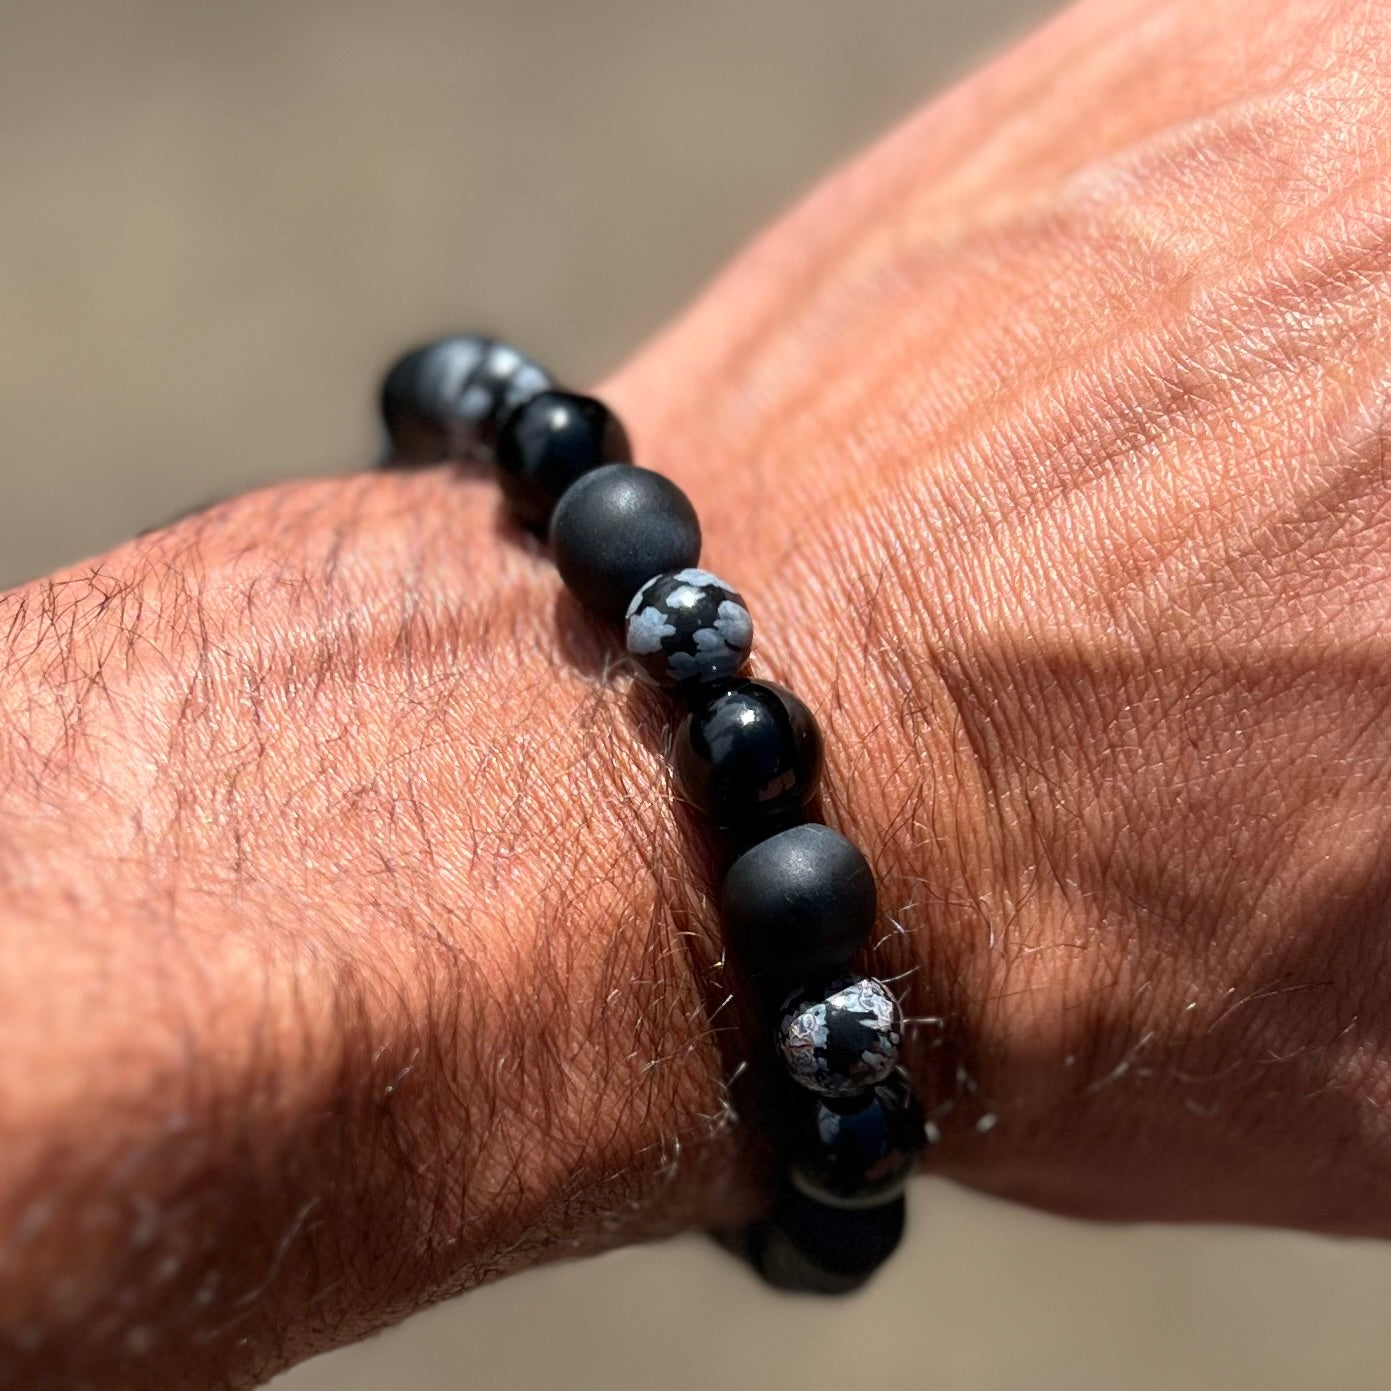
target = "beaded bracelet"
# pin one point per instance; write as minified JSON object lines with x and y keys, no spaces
{"x":798,"y":900}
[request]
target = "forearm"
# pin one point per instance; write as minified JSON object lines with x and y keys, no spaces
{"x":342,"y":964}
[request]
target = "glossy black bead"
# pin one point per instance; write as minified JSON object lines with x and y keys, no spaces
{"x":800,"y":904}
{"x":749,"y":757}
{"x":550,"y":441}
{"x":812,"y":1248}
{"x":858,"y":1153}
{"x":615,"y":528}
{"x":445,"y":400}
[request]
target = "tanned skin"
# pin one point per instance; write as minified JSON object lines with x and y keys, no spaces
{"x":352,"y":948}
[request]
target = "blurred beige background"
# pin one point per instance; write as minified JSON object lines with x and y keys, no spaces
{"x":220,"y":220}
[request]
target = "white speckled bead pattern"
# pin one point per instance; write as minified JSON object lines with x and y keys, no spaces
{"x":843,"y":1041}
{"x":688,"y":627}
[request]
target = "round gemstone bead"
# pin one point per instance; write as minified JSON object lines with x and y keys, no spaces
{"x":615,"y":528}
{"x":814,"y":1248}
{"x":550,"y":441}
{"x":688,"y":628}
{"x":418,"y":392}
{"x":445,"y":400}
{"x":502,"y":382}
{"x":842,"y":1040}
{"x":800,"y":903}
{"x":850,"y":1154}
{"x":748,"y":757}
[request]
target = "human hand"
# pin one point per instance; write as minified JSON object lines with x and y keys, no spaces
{"x":1048,"y":442}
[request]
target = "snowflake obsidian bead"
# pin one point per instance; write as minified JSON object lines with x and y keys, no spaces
{"x":843,"y":1040}
{"x":447,"y":399}
{"x":688,"y":628}
{"x":504,"y":380}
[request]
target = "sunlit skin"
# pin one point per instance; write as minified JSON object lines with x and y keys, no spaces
{"x":354,"y":951}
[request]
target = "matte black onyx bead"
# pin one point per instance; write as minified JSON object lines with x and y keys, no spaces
{"x":547,"y":443}
{"x":841,"y":1039}
{"x":688,"y":628}
{"x":445,"y":400}
{"x":799,"y":904}
{"x":812,"y":1248}
{"x":857,"y":1153}
{"x":749,"y":757}
{"x":615,"y":528}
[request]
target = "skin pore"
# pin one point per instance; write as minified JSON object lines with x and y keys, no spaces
{"x":353,"y":951}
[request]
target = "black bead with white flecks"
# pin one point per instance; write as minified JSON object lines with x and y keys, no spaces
{"x":800,"y":900}
{"x":843,"y":1039}
{"x":687,"y":628}
{"x":446,"y":400}
{"x":502,"y":382}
